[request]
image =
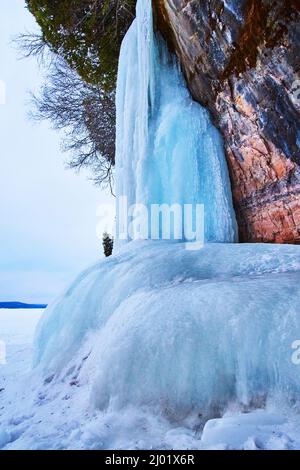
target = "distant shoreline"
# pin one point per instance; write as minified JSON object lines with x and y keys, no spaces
{"x":21,"y":305}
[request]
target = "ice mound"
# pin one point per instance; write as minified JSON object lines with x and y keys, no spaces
{"x":180,"y":331}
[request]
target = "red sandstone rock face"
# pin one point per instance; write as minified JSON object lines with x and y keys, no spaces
{"x":241,"y":59}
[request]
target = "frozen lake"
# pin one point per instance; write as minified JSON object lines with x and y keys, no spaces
{"x":17,"y":326}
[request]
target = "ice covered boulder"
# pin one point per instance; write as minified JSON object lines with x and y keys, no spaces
{"x":246,"y":431}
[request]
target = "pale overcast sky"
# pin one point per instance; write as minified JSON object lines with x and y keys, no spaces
{"x":48,"y":214}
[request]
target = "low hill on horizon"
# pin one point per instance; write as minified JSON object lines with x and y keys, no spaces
{"x":19,"y":305}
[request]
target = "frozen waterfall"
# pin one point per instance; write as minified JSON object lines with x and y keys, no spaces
{"x":167,"y":150}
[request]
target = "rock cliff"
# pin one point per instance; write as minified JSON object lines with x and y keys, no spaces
{"x":241,"y":60}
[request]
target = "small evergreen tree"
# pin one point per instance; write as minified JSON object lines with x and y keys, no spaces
{"x":108,"y":244}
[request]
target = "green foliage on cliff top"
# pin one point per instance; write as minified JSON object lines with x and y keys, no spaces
{"x":86,"y":33}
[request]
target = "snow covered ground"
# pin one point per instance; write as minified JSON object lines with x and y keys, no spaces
{"x":16,"y":335}
{"x":226,"y":286}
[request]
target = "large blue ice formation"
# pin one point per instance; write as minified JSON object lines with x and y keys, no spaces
{"x":167,"y":149}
